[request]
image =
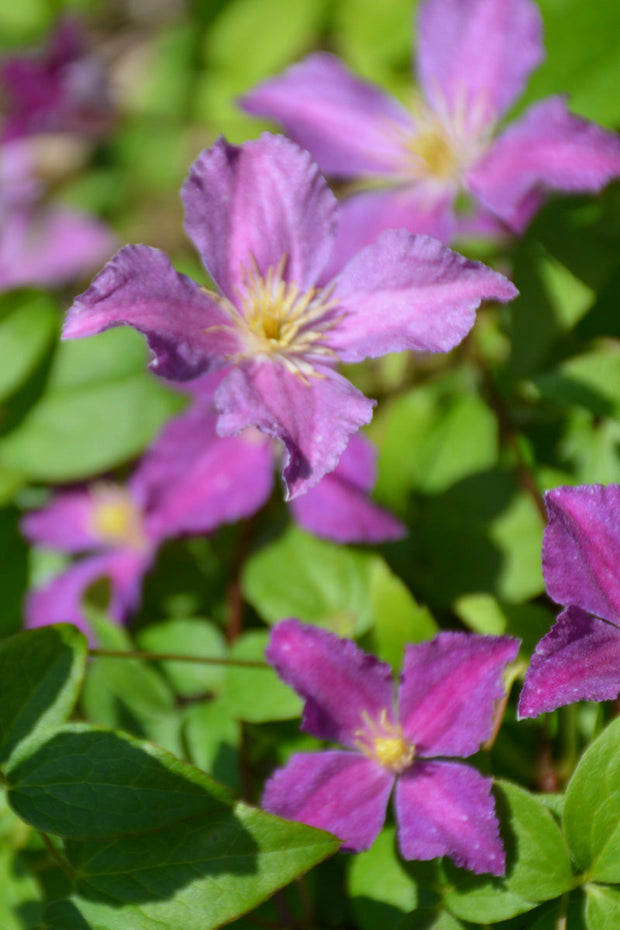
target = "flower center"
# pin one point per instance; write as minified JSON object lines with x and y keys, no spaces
{"x":277,"y":319}
{"x":385,"y":742}
{"x":115,"y":517}
{"x":433,"y":152}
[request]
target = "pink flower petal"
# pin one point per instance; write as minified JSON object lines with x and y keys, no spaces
{"x":342,"y":792}
{"x":578,"y":660}
{"x":343,"y":687}
{"x":64,"y":524}
{"x":60,"y":601}
{"x":191,"y":480}
{"x":313,"y":418}
{"x":249,"y":207}
{"x":581,"y":548}
{"x":349,"y":126}
{"x":548,"y":148}
{"x":418,"y":208}
{"x":474,"y":56}
{"x":447,"y":809}
{"x":448,"y":691}
{"x":186,"y":330}
{"x":339,"y":507}
{"x":410,"y":292}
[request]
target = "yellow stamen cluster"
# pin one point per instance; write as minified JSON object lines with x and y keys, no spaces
{"x":115,"y":517}
{"x":276,"y":318}
{"x":385,"y":742}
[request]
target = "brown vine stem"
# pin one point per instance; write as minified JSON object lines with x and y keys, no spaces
{"x":58,"y":859}
{"x":172,"y":657}
{"x":509,"y":437}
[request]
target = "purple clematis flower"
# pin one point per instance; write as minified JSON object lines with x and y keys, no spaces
{"x":61,"y":88}
{"x":263,"y":220}
{"x":474,"y":59}
{"x":446,"y":702}
{"x":579,"y":659}
{"x":190,"y":481}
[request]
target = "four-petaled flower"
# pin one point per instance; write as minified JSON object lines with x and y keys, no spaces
{"x":579,"y":658}
{"x":446,"y":702}
{"x":474,"y":58}
{"x":263,"y":220}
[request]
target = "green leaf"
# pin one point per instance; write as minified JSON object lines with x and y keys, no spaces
{"x":41,"y":672}
{"x":591,"y":380}
{"x":257,"y":695}
{"x":20,"y":907}
{"x":587,"y":70}
{"x":324,"y":583}
{"x":602,"y":908}
{"x":398,"y":618}
{"x":28,"y":324}
{"x":213,"y":739}
{"x":193,"y":638}
{"x":592,"y":808}
{"x":198,"y":875}
{"x":87,"y":783}
{"x":14,"y":561}
{"x":428,"y":918}
{"x":96,"y":389}
{"x":538,"y":863}
{"x":381,"y":890}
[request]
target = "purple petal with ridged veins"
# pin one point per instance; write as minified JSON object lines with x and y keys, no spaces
{"x":410,"y":292}
{"x":549,"y":147}
{"x":349,"y":126}
{"x":581,"y":548}
{"x":60,"y":600}
{"x":191,"y":480}
{"x":578,"y":660}
{"x":342,"y":792}
{"x":447,"y":809}
{"x":339,"y":508}
{"x":250,"y":206}
{"x":418,"y":208}
{"x":448,"y":691}
{"x":64,"y":524}
{"x":314,"y":419}
{"x":474,"y":56}
{"x":343,"y":687}
{"x":187,"y":331}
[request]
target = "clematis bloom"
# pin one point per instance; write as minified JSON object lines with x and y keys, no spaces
{"x":446,"y":702}
{"x":579,"y":658}
{"x":474,"y":59}
{"x":263,"y":221}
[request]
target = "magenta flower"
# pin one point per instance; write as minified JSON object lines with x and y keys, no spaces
{"x":446,"y":702}
{"x":61,"y":88}
{"x":263,"y":220}
{"x":579,"y":658}
{"x":474,"y":59}
{"x":181,"y":486}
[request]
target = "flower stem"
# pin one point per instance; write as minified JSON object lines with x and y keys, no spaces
{"x":173,"y":657}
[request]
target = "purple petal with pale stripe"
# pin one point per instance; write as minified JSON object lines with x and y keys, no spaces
{"x":342,"y":685}
{"x":64,"y":524}
{"x":474,"y":56}
{"x":192,"y":480}
{"x":349,"y":126}
{"x":410,"y":292}
{"x":578,"y":660}
{"x":187,"y":332}
{"x":339,"y":507}
{"x":448,"y":691}
{"x":342,"y":792}
{"x":248,"y":207}
{"x":581,"y":548}
{"x":548,"y":148}
{"x":447,"y":809}
{"x":418,"y":208}
{"x":314,"y":419}
{"x":60,"y":601}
